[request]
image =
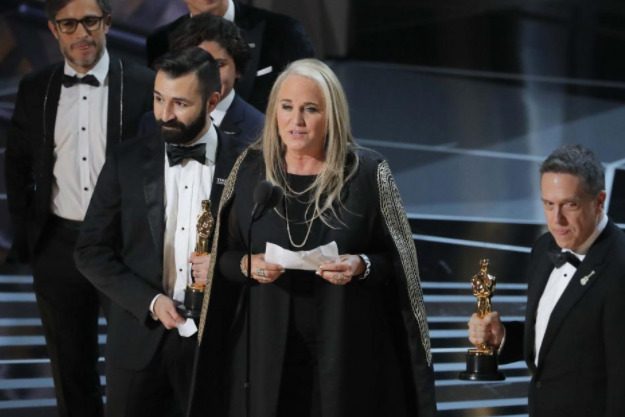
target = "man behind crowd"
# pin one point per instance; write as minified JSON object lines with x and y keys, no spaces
{"x":276,"y":40}
{"x":223,"y":41}
{"x":573,"y":337}
{"x":68,"y":118}
{"x":138,"y":239}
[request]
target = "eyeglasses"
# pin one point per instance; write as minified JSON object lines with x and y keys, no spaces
{"x":90,"y":23}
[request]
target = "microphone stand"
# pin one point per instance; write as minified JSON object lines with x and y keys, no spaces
{"x":248,"y":316}
{"x":267,"y":198}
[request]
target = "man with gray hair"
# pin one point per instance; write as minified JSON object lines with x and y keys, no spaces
{"x":573,"y":337}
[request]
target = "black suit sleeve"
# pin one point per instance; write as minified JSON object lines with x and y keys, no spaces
{"x":512,"y":350}
{"x":97,"y":251}
{"x":19,"y":172}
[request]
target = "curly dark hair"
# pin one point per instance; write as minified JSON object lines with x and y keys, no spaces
{"x":205,"y":27}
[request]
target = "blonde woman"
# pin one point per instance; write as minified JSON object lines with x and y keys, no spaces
{"x":351,"y":338}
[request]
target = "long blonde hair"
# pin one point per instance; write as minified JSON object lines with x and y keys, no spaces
{"x":339,"y":145}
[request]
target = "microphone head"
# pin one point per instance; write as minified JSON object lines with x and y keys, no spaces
{"x":262,"y":193}
{"x":275,"y":198}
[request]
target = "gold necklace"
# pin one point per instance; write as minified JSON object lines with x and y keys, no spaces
{"x":288,"y":229}
{"x":292,"y":191}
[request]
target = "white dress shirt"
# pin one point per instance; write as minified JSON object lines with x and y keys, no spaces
{"x":558,"y":281}
{"x":229,"y":15}
{"x":79,"y":142}
{"x":222,"y":108}
{"x":186,"y":185}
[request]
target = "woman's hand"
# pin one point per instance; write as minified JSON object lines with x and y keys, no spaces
{"x":262,"y":271}
{"x":342,"y":272}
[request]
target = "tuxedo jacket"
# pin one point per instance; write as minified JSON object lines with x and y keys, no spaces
{"x":120,"y":247}
{"x":29,"y":157}
{"x":242,"y":121}
{"x":275,"y":41}
{"x":581,"y":362}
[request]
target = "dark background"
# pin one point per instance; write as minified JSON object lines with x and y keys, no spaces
{"x":464,"y":97}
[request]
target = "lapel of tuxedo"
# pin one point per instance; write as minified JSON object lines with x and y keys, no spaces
{"x":114,"y":122}
{"x":224,"y":159}
{"x":230,"y":123}
{"x":587,"y":274}
{"x":154,"y":189}
{"x":253,"y":34}
{"x":50,"y":108}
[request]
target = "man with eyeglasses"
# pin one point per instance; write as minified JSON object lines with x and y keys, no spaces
{"x":67,"y":119}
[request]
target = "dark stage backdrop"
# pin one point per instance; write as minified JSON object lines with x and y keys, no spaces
{"x":464,"y":97}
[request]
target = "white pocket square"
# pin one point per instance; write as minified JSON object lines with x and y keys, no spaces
{"x":264,"y":71}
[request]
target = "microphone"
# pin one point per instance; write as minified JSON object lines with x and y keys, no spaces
{"x":276,"y":196}
{"x":266,"y":197}
{"x":274,"y":200}
{"x":262,"y":195}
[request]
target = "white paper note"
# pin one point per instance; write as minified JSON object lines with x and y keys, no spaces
{"x":187,"y":329}
{"x":305,"y":260}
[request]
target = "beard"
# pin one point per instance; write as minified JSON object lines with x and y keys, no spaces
{"x":179,"y":133}
{"x":87,"y":62}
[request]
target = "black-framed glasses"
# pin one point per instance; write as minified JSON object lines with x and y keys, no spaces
{"x":90,"y":23}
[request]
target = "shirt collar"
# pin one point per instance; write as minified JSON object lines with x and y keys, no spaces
{"x":222,"y":108}
{"x":100,"y":71}
{"x":229,"y":16}
{"x":585,"y":247}
{"x":210,"y":139}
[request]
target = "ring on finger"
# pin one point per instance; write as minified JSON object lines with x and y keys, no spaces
{"x":340,"y":277}
{"x":260,"y":272}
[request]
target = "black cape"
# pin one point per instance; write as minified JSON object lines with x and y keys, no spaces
{"x":373,"y":341}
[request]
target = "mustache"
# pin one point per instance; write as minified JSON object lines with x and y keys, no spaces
{"x":83,"y":42}
{"x":174,"y":124}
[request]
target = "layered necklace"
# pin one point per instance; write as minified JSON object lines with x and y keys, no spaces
{"x":309,"y":223}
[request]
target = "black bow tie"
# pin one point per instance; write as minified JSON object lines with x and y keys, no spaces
{"x":177,"y":154}
{"x":69,"y":81}
{"x":559,"y":258}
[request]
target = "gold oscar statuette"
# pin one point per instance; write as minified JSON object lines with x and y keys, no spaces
{"x":482,"y":362}
{"x":205,"y":223}
{"x":194,"y":293}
